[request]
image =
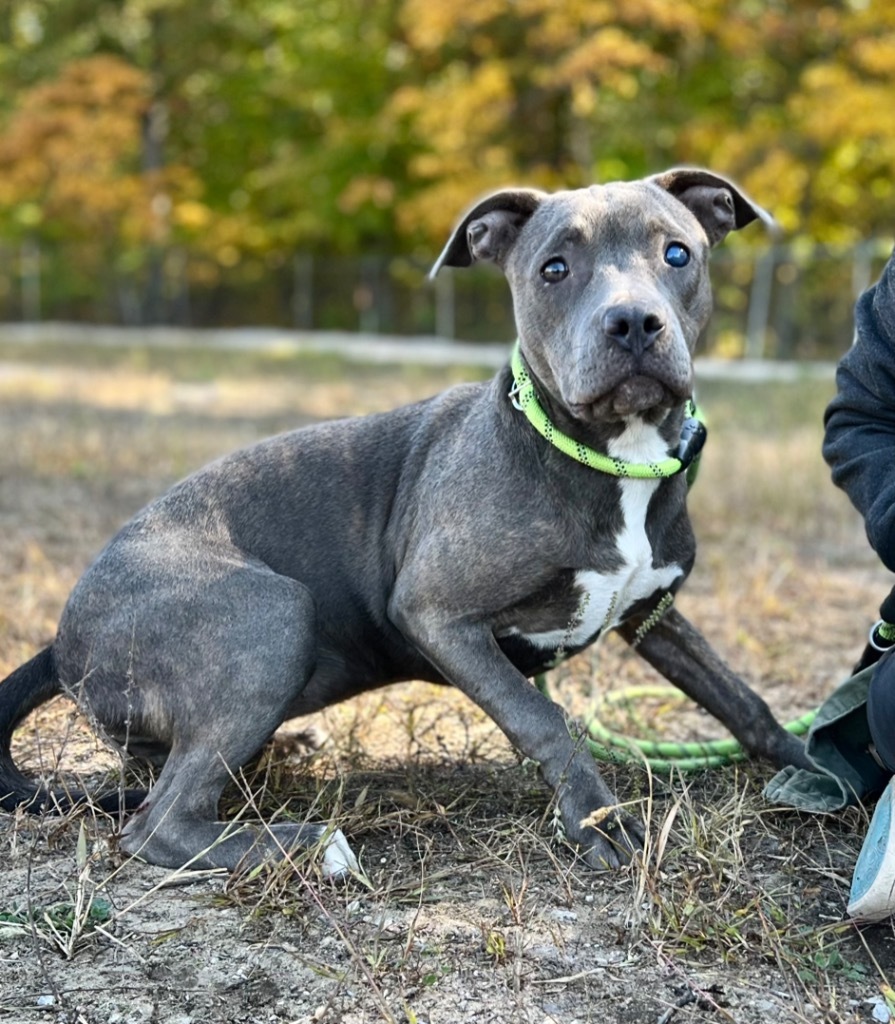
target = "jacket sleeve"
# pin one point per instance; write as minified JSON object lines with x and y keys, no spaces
{"x":859,"y":443}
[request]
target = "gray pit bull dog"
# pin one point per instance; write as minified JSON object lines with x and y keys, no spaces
{"x":446,"y":541}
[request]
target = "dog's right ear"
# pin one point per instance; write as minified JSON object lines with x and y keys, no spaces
{"x":718,"y":204}
{"x":489,"y":229}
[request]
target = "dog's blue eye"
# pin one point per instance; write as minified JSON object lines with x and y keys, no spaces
{"x":677,"y":255}
{"x":555,"y":270}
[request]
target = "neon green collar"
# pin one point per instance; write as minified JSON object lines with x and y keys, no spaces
{"x":523,"y":397}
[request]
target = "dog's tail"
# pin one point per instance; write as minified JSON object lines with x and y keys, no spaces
{"x":31,"y":685}
{"x":24,"y":690}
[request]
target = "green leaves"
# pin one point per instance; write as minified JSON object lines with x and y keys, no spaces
{"x":258,"y":127}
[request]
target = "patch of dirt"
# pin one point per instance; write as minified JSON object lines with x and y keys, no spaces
{"x":471,"y":908}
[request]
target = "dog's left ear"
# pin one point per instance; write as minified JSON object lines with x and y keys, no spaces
{"x":489,"y":230}
{"x":718,"y":205}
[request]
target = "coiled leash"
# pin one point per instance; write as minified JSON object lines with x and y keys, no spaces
{"x":661,"y":756}
{"x":605,"y":744}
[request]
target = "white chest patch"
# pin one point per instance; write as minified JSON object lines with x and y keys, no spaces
{"x":604,"y":597}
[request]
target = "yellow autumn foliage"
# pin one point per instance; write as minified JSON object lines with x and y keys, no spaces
{"x":344,"y":124}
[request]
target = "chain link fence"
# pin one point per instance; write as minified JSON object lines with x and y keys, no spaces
{"x":788,"y":301}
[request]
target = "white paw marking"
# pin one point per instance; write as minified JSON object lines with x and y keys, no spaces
{"x":338,"y":857}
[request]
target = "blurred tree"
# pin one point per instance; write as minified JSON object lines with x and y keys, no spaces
{"x":253,"y":128}
{"x":794,"y":99}
{"x":822,"y":145}
{"x":70,"y":165}
{"x":69,"y":154}
{"x":554,"y":94}
{"x":271,"y":103}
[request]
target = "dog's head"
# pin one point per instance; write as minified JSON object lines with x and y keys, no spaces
{"x":610,"y":283}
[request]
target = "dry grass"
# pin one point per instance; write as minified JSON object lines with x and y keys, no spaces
{"x":469,"y":907}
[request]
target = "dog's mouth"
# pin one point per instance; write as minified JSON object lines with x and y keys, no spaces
{"x":638,"y":395}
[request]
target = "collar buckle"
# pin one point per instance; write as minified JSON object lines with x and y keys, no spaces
{"x":693,"y":436}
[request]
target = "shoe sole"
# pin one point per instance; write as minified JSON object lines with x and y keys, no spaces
{"x":872,"y":896}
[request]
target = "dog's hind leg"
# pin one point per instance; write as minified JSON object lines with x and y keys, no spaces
{"x":178,"y":826}
{"x":211,"y":664}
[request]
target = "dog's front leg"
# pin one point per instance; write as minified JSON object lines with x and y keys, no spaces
{"x":467,"y":655}
{"x":680,"y":652}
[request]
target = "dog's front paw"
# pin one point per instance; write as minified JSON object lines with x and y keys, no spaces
{"x":789,"y":750}
{"x":608,"y":839}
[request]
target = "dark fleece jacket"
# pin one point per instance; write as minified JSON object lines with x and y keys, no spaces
{"x":859,"y":444}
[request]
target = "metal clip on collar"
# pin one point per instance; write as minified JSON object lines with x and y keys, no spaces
{"x":693,"y":435}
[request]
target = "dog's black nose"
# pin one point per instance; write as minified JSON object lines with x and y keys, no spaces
{"x":631,"y":328}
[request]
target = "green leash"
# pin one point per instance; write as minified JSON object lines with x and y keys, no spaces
{"x":661,"y":757}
